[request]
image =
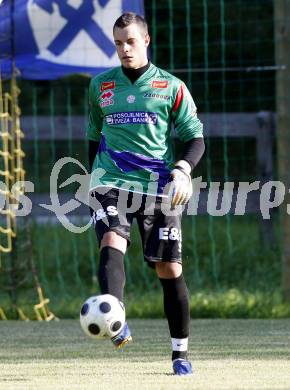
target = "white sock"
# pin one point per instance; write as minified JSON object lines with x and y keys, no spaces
{"x":179,"y":344}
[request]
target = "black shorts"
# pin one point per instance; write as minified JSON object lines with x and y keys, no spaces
{"x":160,"y":233}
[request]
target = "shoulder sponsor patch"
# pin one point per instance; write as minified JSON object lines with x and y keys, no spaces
{"x":159,"y":84}
{"x":107,"y":85}
{"x":132,"y":118}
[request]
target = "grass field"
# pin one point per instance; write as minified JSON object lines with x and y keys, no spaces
{"x":226,"y":354}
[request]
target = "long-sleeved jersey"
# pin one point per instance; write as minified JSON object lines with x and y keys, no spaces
{"x":133,"y":123}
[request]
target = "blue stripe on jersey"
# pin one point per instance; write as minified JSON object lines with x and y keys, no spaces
{"x":129,"y":161}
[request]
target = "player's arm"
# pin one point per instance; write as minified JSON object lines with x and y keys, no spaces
{"x":189,"y":129}
{"x":93,"y":150}
{"x":93,"y":131}
{"x":193,"y":151}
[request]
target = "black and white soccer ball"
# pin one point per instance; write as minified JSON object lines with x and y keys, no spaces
{"x":102,"y":316}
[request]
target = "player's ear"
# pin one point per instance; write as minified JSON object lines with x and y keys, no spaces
{"x":147,"y":40}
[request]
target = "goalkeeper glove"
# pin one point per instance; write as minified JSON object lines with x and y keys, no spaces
{"x":181,"y":181}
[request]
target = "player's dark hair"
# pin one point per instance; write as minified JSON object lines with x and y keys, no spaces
{"x":129,"y":18}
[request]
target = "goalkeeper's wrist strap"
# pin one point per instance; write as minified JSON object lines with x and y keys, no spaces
{"x":183,"y":166}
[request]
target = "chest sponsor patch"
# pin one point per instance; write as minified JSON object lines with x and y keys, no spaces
{"x":106,"y":98}
{"x":107,"y":85}
{"x":159,"y":84}
{"x":156,"y":96}
{"x":132,"y":118}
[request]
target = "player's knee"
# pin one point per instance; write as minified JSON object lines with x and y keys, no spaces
{"x":168,"y":270}
{"x":114,"y":240}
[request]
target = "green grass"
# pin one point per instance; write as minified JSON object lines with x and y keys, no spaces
{"x":226,"y":354}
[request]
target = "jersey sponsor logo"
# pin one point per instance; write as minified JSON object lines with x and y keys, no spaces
{"x":156,"y":96}
{"x":110,"y":211}
{"x":159,"y":84}
{"x":132,"y":118}
{"x":166,"y":233}
{"x":107,"y":85}
{"x":131,"y":99}
{"x":107,"y":95}
{"x":106,"y":99}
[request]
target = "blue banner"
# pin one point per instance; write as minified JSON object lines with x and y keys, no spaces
{"x":49,"y":39}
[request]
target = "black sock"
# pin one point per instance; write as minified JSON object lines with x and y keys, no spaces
{"x":111,"y":273}
{"x":179,"y":355}
{"x":176,"y":308}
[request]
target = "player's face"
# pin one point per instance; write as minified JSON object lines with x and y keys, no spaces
{"x":131,"y":44}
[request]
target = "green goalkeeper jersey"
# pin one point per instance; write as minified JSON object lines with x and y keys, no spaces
{"x":133,"y":123}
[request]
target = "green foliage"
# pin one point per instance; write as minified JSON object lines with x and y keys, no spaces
{"x":235,"y":303}
{"x":231,"y":303}
{"x":229,"y":273}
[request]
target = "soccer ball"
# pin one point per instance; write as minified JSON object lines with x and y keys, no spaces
{"x":102,"y":316}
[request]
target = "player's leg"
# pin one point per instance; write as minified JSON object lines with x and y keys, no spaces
{"x":113,"y":232}
{"x":161,"y":236}
{"x":176,"y":308}
{"x":111,"y":276}
{"x":111,"y":273}
{"x":112,"y":227}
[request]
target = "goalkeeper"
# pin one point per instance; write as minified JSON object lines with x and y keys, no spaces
{"x":132,"y":109}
